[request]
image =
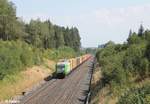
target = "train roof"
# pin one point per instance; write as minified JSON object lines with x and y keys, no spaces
{"x":62,"y":63}
{"x":62,"y":60}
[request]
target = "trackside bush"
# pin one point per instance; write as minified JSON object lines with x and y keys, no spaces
{"x":136,"y":96}
{"x":15,"y":56}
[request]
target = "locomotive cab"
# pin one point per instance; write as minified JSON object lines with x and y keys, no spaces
{"x":62,"y":68}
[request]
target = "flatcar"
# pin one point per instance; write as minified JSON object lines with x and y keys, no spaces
{"x":65,"y":66}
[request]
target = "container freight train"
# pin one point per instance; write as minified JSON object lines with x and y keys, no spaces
{"x":65,"y":66}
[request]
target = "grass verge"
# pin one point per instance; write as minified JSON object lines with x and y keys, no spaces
{"x":15,"y":84}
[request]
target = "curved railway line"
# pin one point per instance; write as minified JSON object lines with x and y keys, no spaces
{"x":70,"y":90}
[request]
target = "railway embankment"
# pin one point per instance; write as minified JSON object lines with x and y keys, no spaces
{"x":73,"y":89}
{"x":25,"y":82}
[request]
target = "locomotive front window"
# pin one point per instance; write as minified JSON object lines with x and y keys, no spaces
{"x":60,"y":67}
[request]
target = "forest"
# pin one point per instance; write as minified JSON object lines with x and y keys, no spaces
{"x":25,"y":44}
{"x":126,"y":68}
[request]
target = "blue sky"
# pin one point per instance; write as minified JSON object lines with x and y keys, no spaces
{"x":97,"y":20}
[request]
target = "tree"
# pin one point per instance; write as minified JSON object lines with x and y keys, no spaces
{"x":59,"y":38}
{"x":147,"y":53}
{"x":11,"y":27}
{"x":41,"y":34}
{"x":130,"y":32}
{"x":141,"y":30}
{"x":75,"y":39}
{"x":109,"y":43}
{"x":134,"y":39}
{"x":51,"y":41}
{"x":147,"y":35}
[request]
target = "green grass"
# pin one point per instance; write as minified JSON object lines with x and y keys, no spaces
{"x":136,"y":96}
{"x":17,"y":56}
{"x":8,"y":85}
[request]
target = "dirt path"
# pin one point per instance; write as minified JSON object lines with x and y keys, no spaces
{"x":70,"y":90}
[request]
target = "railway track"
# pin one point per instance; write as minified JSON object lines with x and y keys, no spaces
{"x":70,"y":90}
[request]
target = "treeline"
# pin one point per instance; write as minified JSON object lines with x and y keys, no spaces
{"x":46,"y":35}
{"x":126,"y":65}
{"x":41,"y":34}
{"x":25,"y":44}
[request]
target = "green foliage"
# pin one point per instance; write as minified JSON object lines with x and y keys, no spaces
{"x":110,"y":62}
{"x":136,"y":96}
{"x":23,"y":45}
{"x":132,"y":59}
{"x":141,"y":30}
{"x":46,"y":35}
{"x":110,"y":43}
{"x":60,"y":53}
{"x":41,"y":34}
{"x":90,"y":50}
{"x":15,"y":56}
{"x":146,"y":35}
{"x":147,"y":53}
{"x":144,"y":69}
{"x":123,"y":65}
{"x":134,"y":39}
{"x":107,"y":51}
{"x":11,"y":27}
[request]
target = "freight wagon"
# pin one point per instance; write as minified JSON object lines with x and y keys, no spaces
{"x":65,"y":66}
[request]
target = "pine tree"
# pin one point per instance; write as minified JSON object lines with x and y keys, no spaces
{"x":130,"y":32}
{"x":141,"y":30}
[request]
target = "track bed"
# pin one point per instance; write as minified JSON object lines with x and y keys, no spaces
{"x":70,"y":90}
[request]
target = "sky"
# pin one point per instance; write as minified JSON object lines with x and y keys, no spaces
{"x":98,"y":21}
